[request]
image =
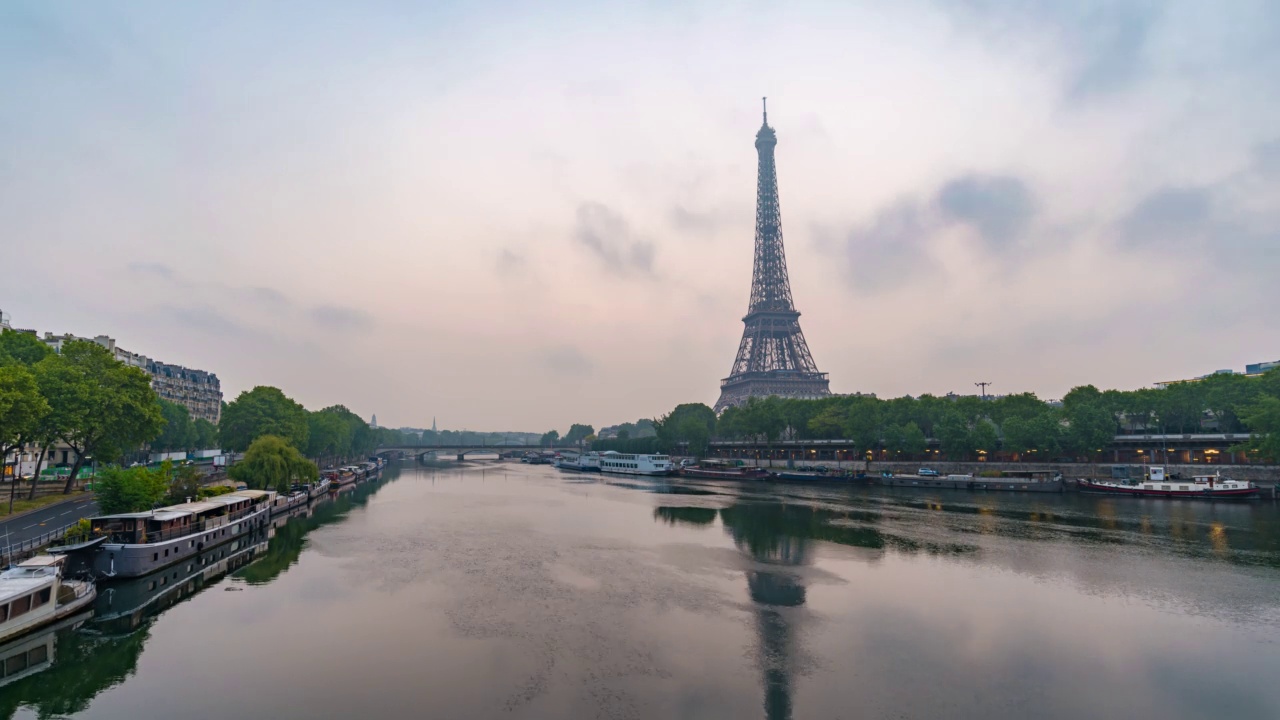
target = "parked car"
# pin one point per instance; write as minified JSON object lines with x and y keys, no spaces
{"x":927,"y":472}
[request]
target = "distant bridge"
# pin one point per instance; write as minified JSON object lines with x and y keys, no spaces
{"x":461,"y":450}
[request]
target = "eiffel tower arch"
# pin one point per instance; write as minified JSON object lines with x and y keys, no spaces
{"x":773,"y":357}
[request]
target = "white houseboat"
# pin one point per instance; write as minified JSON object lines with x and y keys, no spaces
{"x":585,"y":462}
{"x":134,"y":544}
{"x":629,"y":464}
{"x":34,"y":594}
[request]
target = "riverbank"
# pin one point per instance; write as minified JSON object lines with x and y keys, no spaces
{"x":1263,"y":475}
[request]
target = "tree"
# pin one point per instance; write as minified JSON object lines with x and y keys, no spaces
{"x":21,"y":348}
{"x":22,"y":410}
{"x":549,"y":438}
{"x":690,"y":425}
{"x":206,"y":434}
{"x":328,"y":435}
{"x":913,"y":440}
{"x":578,"y":433}
{"x":98,"y":406}
{"x":984,"y":436}
{"x":954,"y":436}
{"x":1263,"y":420}
{"x":272,"y":462}
{"x":185,"y":485}
{"x":862,"y":424}
{"x":1090,"y":428}
{"x":179,"y":433}
{"x":263,"y":410}
{"x":828,"y":423}
{"x":136,"y":489}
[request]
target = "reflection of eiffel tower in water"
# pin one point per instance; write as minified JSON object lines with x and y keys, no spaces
{"x":759,"y":531}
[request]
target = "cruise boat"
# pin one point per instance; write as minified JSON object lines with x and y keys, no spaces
{"x":629,"y":464}
{"x":134,"y":544}
{"x":34,"y":594}
{"x":1157,"y":484}
{"x":586,"y":462}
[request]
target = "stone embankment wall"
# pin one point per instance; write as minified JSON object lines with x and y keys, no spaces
{"x":1263,"y":474}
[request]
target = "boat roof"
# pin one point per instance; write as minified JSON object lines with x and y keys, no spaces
{"x":40,"y":561}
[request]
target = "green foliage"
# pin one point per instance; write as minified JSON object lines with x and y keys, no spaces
{"x":206,"y":434}
{"x":272,"y":463}
{"x":22,"y":407}
{"x":1263,"y":418}
{"x":21,"y":348}
{"x":262,"y":411}
{"x":578,"y":432}
{"x":954,"y":436}
{"x":549,"y":438}
{"x":99,"y":406}
{"x":136,"y":489}
{"x":179,"y":432}
{"x":690,"y":426}
{"x":984,"y":437}
{"x":213,"y":491}
{"x":78,"y":532}
{"x":644,"y":445}
{"x":185,"y":485}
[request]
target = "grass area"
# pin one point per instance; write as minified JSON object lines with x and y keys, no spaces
{"x":21,"y":504}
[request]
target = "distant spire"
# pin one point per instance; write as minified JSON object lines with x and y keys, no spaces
{"x":765,"y":102}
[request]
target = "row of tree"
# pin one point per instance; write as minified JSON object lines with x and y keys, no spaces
{"x":1082,"y":424}
{"x":83,"y":397}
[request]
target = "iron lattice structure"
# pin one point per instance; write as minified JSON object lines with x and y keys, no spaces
{"x":773,"y":357}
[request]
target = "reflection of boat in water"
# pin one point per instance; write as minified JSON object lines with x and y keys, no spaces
{"x":34,"y":594}
{"x":1157,"y":484}
{"x":125,"y":604}
{"x":36,"y":652}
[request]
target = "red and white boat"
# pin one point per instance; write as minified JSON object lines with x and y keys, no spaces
{"x":1156,"y":484}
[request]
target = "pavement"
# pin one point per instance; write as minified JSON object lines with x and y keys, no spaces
{"x":38,"y":522}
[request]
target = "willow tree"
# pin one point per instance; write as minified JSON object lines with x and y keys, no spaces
{"x":272,"y":463}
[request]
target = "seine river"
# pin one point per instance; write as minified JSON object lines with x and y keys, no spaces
{"x":515,"y":591}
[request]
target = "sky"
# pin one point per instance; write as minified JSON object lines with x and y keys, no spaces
{"x":517,"y":216}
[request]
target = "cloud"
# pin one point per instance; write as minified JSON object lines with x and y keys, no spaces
{"x":568,"y":361}
{"x":896,"y":243}
{"x":702,"y":223}
{"x":511,"y":262}
{"x":152,"y":268}
{"x":1000,"y":207}
{"x":267,"y":295}
{"x":208,"y":321}
{"x":1266,"y":159}
{"x":1167,"y":216}
{"x":891,"y":246}
{"x":607,"y":235}
{"x":341,"y":319}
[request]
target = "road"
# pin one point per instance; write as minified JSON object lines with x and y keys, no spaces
{"x":46,"y":519}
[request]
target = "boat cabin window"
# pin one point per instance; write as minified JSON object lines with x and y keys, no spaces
{"x":20,"y":606}
{"x":42,"y":597}
{"x":4,"y":612}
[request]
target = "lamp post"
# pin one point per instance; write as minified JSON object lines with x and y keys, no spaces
{"x":17,"y":465}
{"x":983,"y":386}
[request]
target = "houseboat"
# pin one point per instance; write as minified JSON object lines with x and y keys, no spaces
{"x":34,"y":594}
{"x":718,"y":471}
{"x":1157,"y":484}
{"x":585,"y":462}
{"x":631,"y":464}
{"x":1037,"y":482}
{"x":134,"y":544}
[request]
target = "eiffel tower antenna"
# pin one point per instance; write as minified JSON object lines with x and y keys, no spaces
{"x":773,"y":357}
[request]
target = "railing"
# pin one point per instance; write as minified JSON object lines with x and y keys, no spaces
{"x":197,"y":528}
{"x":10,"y":554}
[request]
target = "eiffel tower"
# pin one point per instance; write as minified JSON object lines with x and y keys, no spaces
{"x":773,"y":358}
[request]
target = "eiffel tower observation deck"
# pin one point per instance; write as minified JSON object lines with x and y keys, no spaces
{"x":773,"y":357}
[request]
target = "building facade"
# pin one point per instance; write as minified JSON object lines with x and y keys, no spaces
{"x":197,"y":390}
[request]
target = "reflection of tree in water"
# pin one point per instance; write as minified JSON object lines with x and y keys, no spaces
{"x":696,"y":516}
{"x":285,"y":548}
{"x":83,"y":666}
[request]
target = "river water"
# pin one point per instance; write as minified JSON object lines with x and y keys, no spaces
{"x":515,"y":591}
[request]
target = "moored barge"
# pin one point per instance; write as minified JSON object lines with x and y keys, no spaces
{"x":1157,"y":484}
{"x":134,"y":544}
